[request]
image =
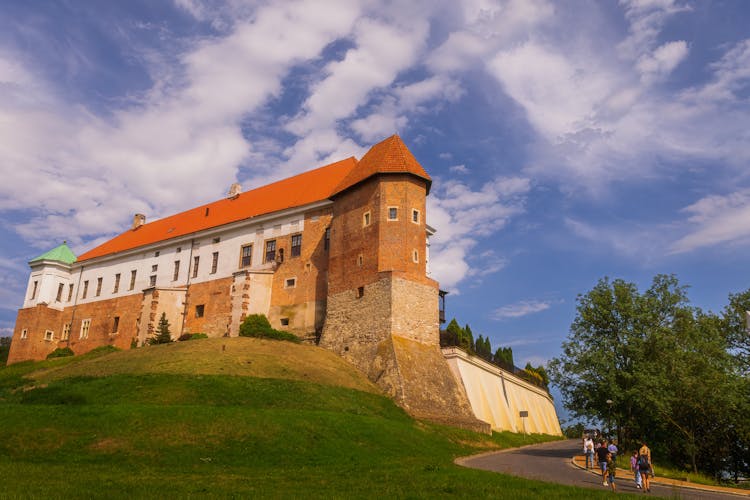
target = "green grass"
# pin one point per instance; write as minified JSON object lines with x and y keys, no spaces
{"x":182,"y":435}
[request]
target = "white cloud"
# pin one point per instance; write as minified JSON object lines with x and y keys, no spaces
{"x":461,"y":217}
{"x":662,"y":61}
{"x":459,"y":169}
{"x":716,"y":220}
{"x":90,"y":173}
{"x":520,"y":309}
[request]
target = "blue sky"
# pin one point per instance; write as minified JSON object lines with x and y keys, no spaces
{"x":567,"y":140}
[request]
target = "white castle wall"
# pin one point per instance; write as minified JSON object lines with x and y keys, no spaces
{"x":498,"y":397}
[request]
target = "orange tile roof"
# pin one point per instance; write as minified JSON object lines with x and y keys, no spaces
{"x":308,"y":187}
{"x":388,"y":156}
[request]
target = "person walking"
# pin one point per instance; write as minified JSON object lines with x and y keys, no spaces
{"x":588,"y":450}
{"x":611,"y":471}
{"x":613,"y":449}
{"x":645,"y":466}
{"x":601,"y":457}
{"x":634,"y":468}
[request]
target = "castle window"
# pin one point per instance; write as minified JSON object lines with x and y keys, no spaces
{"x":156,"y":254}
{"x":24,"y":334}
{"x":60,"y":289}
{"x":296,"y":245}
{"x":214,"y":262}
{"x":98,"y":286}
{"x":154,"y":268}
{"x":415,"y":216}
{"x":179,"y":249}
{"x":49,"y":335}
{"x":216,"y":240}
{"x":115,"y":324}
{"x":196,"y":261}
{"x":360,"y":260}
{"x":70,"y":292}
{"x":415,"y":256}
{"x":176,"y":273}
{"x":33,"y":290}
{"x":152,"y":280}
{"x":85,"y":325}
{"x":85,"y":289}
{"x":392,"y":213}
{"x":117,"y":283}
{"x":199,"y":309}
{"x":246,"y":256}
{"x":132,"y":279}
{"x":66,"y":331}
{"x":360,"y":292}
{"x":290,"y":283}
{"x":366,"y":219}
{"x":270,"y":250}
{"x":327,"y":239}
{"x":284,"y":321}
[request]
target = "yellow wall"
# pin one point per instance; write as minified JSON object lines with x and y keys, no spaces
{"x":497,"y":396}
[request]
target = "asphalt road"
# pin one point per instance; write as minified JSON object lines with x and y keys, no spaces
{"x":551,"y":462}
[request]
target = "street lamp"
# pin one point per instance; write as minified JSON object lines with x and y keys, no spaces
{"x":609,"y":418}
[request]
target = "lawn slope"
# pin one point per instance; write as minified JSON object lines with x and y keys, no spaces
{"x":229,"y":418}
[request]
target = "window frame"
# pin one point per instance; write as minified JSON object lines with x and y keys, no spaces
{"x":66,"y":331}
{"x":176,"y":272}
{"x":152,"y":281}
{"x":269,"y":253}
{"x":116,"y":288}
{"x":133,"y":274}
{"x":200,"y":310}
{"x":60,"y":289}
{"x":196,"y":265}
{"x":49,"y":335}
{"x":85,"y":290}
{"x":293,"y":283}
{"x":416,"y":214}
{"x":392,"y":210}
{"x":99,"y":283}
{"x":85,"y":327}
{"x":214,"y":262}
{"x":366,"y":219}
{"x":115,"y":324}
{"x":24,"y":333}
{"x":295,"y":250}
{"x":246,"y":255}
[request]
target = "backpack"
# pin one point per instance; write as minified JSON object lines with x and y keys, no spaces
{"x":643,"y":462}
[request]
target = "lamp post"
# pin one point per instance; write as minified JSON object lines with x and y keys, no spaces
{"x":609,"y":418}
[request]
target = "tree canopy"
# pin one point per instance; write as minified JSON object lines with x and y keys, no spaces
{"x":660,"y":370}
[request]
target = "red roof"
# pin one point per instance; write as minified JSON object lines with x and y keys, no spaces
{"x":389,"y":156}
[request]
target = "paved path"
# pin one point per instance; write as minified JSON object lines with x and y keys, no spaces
{"x":554,"y":462}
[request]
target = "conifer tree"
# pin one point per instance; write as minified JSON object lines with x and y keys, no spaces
{"x":162,"y":335}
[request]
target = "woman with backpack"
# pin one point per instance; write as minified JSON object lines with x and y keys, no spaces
{"x":644,"y":466}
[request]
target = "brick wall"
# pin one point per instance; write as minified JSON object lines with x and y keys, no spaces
{"x":216,"y":298}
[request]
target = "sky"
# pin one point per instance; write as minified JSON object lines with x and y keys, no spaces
{"x":567,"y":140}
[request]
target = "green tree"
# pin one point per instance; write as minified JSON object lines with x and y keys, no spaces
{"x":659,"y":368}
{"x":504,"y":356}
{"x":4,"y":349}
{"x":162,"y":334}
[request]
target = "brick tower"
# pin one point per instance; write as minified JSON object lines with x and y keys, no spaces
{"x":382,"y":309}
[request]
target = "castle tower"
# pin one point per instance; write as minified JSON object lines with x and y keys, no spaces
{"x":382,"y":309}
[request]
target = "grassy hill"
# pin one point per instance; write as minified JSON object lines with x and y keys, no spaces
{"x":233,"y":417}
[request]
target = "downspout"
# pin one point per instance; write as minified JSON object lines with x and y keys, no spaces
{"x":75,"y":303}
{"x":187,"y":286}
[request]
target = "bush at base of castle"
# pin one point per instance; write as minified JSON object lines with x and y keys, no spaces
{"x":257,"y":325}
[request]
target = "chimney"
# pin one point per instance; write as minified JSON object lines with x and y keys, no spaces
{"x":234,"y":190}
{"x":138,"y":221}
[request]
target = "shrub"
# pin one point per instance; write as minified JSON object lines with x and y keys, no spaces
{"x":192,"y":336}
{"x":257,"y":325}
{"x":61,"y":353}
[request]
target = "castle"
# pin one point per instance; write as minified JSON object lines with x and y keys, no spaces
{"x":337,"y":255}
